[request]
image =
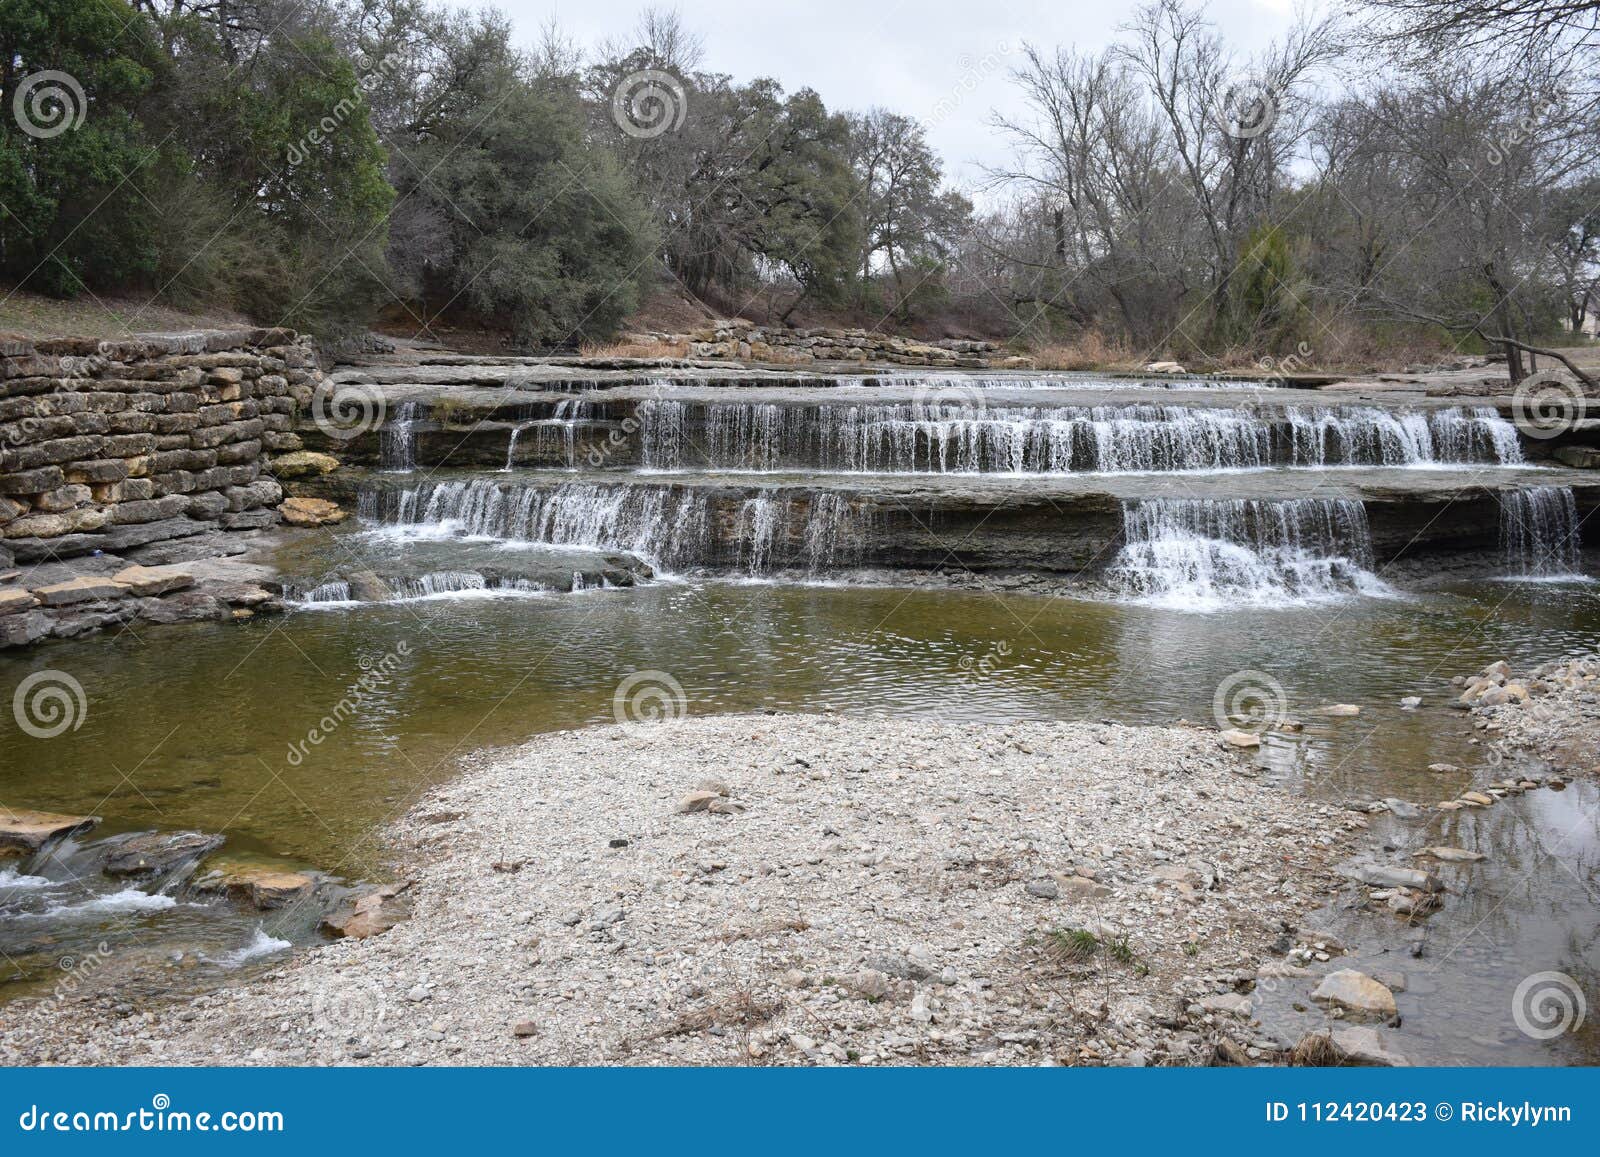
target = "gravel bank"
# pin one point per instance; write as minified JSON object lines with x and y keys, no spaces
{"x":1552,"y":710}
{"x":858,"y":890}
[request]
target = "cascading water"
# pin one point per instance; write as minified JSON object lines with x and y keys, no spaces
{"x":337,"y":591}
{"x":410,"y":587}
{"x":960,"y":437}
{"x":1193,"y":554}
{"x":397,"y":439}
{"x":1539,"y":534}
{"x":674,"y":528}
{"x":555,"y":439}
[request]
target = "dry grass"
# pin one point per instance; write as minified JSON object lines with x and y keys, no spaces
{"x":1316,"y":1050}
{"x":1092,"y":351}
{"x":103,"y":316}
{"x":761,"y":931}
{"x":740,"y":1011}
{"x":640,"y":349}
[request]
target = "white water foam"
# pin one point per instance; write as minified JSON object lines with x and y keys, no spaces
{"x":1196,"y":555}
{"x":13,"y":878}
{"x":127,"y":900}
{"x":673,"y":528}
{"x":261,"y":944}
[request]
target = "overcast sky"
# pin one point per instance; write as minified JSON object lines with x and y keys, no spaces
{"x":943,"y":61}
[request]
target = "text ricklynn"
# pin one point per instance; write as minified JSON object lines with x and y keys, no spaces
{"x":1501,"y":1113}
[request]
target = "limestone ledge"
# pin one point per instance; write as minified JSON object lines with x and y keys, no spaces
{"x":740,"y":340}
{"x":66,"y":600}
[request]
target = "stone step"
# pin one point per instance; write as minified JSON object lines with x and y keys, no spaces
{"x":23,"y":832}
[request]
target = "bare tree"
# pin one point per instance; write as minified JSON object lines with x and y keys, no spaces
{"x":1530,"y":26}
{"x":1234,"y":124}
{"x":1467,"y":172}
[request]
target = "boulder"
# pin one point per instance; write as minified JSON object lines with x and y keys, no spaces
{"x":696,"y":801}
{"x":1386,"y":876}
{"x":1366,"y":1046}
{"x":367,"y":587}
{"x":1233,"y":737}
{"x":1228,"y":1004}
{"x":15,"y":601}
{"x":370,"y":914}
{"x":57,"y":525}
{"x":150,"y":581}
{"x":264,"y":886}
{"x":1357,"y":993}
{"x":869,"y":984}
{"x":302,"y":464}
{"x":21,"y":630}
{"x":311,"y":512}
{"x":157,"y":853}
{"x":25,"y":832}
{"x":79,"y":590}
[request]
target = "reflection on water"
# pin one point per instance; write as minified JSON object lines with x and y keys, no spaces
{"x":207,"y":727}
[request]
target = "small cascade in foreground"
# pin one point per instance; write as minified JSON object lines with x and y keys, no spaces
{"x":968,"y":437}
{"x":397,"y":439}
{"x":401,"y":588}
{"x":1193,"y":554}
{"x":337,"y":591}
{"x":674,"y":528}
{"x":1539,"y":534}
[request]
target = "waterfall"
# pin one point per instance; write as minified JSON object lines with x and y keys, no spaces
{"x":397,"y":439}
{"x":963,"y":437}
{"x":1368,"y":436}
{"x":1203,"y":555}
{"x":1539,"y":534}
{"x":555,"y":437}
{"x":329,"y":592}
{"x":674,"y":528}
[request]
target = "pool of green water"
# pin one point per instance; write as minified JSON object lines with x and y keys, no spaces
{"x":210,"y":726}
